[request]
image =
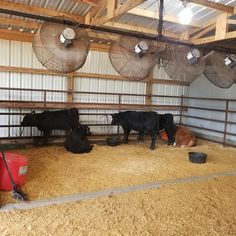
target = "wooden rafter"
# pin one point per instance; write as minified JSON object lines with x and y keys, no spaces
{"x":37,"y":10}
{"x":15,"y":35}
{"x":213,"y":5}
{"x":17,"y":22}
{"x":33,"y":25}
{"x":154,"y":15}
{"x":221,"y":26}
{"x":221,"y":31}
{"x":140,"y":29}
{"x":201,"y":33}
{"x":90,"y":2}
{"x":28,"y":37}
{"x":211,"y":39}
{"x":113,"y":11}
{"x":231,"y":22}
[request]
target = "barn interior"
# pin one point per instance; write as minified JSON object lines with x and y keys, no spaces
{"x":104,"y":57}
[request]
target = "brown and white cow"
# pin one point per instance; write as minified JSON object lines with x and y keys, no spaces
{"x":184,"y":137}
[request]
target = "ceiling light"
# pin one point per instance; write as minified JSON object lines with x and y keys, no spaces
{"x":10,"y":27}
{"x":185,"y":16}
{"x":100,"y":41}
{"x":32,"y":31}
{"x":21,"y":29}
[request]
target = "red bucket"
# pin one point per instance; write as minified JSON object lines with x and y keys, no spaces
{"x":18,"y":166}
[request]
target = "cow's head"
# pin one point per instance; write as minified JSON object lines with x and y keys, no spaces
{"x":115,"y":119}
{"x":83,"y":130}
{"x":30,"y":120}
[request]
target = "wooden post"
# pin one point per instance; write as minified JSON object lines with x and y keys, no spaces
{"x":226,"y":121}
{"x":70,"y":88}
{"x":181,"y":109}
{"x":148,"y":98}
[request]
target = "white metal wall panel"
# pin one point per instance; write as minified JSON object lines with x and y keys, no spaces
{"x":5,"y":52}
{"x":201,"y":87}
{"x":20,"y":54}
{"x":167,"y":89}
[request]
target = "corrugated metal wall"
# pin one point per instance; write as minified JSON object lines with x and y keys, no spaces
{"x":21,"y":55}
{"x":169,"y":90}
{"x":201,"y":87}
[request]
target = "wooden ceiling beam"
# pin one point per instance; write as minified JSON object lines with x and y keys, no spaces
{"x":37,"y":10}
{"x":211,"y":39}
{"x":213,"y":5}
{"x":17,"y":22}
{"x":16,"y":35}
{"x":154,"y":15}
{"x":231,"y":22}
{"x":201,"y":33}
{"x":33,"y":25}
{"x":114,"y":11}
{"x":28,"y":37}
{"x":221,"y":26}
{"x":90,"y":2}
{"x":140,"y":29}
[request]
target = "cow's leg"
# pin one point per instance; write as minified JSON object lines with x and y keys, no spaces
{"x":170,"y":134}
{"x":46,"y":135}
{"x":126,"y":135}
{"x":141,"y":136}
{"x":153,"y":137}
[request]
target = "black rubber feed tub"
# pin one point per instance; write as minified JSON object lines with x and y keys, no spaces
{"x":113,"y":141}
{"x":197,"y":157}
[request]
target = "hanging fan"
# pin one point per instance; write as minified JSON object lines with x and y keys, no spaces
{"x":134,"y":58}
{"x":61,"y":48}
{"x":220,"y":69}
{"x":182,"y":63}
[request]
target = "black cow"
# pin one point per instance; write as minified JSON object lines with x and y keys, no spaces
{"x":144,"y":122}
{"x":166,"y":123}
{"x":50,"y":120}
{"x":77,"y":142}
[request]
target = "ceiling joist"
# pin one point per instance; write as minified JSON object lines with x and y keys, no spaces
{"x":213,"y":5}
{"x":154,"y":15}
{"x":140,"y":29}
{"x":113,"y":11}
{"x":37,"y":10}
{"x":221,"y":31}
{"x":90,"y":2}
{"x":211,"y":39}
{"x":203,"y":32}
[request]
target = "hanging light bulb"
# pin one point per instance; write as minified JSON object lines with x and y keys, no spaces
{"x":32,"y":31}
{"x":10,"y":27}
{"x":21,"y":29}
{"x":185,"y":16}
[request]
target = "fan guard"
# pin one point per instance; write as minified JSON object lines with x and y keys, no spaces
{"x":217,"y":72}
{"x":134,"y":58}
{"x":182,"y":63}
{"x":61,"y":48}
